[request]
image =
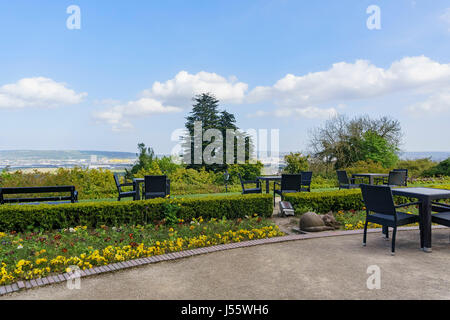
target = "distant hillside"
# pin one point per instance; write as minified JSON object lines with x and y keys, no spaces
{"x":30,"y":155}
{"x":435,"y":156}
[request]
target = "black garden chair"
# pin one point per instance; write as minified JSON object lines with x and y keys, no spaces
{"x":246,"y":190}
{"x":306,"y":181}
{"x":124,"y":194}
{"x":290,"y":183}
{"x":380,"y":209}
{"x":442,"y":216}
{"x":345,"y":182}
{"x":397,"y":178}
{"x":156,"y":187}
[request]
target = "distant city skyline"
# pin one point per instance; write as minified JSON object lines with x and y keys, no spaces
{"x":107,"y":75}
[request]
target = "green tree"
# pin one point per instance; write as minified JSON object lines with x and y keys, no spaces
{"x":345,"y":141}
{"x":296,"y":163}
{"x":146,"y":158}
{"x":206,"y":110}
{"x":376,"y":148}
{"x":442,"y":169}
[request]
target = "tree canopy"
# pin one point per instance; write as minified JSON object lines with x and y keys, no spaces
{"x":346,"y":141}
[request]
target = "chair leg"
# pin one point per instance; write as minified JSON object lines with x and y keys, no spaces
{"x":365,"y":234}
{"x":394,"y":234}
{"x":386,"y":233}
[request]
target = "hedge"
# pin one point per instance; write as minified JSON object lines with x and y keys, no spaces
{"x":323,"y":202}
{"x":93,"y":214}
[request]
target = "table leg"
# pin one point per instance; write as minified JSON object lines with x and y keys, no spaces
{"x":371,"y":180}
{"x":267,"y":186}
{"x":137,"y":189}
{"x":425,"y":212}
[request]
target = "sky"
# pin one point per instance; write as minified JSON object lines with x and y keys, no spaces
{"x":116,"y":73}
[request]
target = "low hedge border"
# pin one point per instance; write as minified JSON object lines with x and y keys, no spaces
{"x":323,"y":202}
{"x":93,"y":214}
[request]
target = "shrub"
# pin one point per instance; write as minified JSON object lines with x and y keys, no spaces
{"x":296,"y":163}
{"x":366,"y":167}
{"x":416,"y":167}
{"x":93,"y":214}
{"x":323,"y":202}
{"x":442,"y":169}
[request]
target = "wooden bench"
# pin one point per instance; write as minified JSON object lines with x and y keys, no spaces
{"x":33,"y":190}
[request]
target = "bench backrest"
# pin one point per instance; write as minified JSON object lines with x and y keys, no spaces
{"x":33,"y":190}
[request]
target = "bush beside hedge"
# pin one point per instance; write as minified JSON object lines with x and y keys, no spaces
{"x":323,"y":202}
{"x":93,"y":214}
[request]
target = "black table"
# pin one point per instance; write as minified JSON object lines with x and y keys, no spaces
{"x":371,"y":176}
{"x":268,"y":179}
{"x":425,"y":196}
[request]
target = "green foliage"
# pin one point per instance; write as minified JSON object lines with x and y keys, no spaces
{"x":376,"y":148}
{"x":324,"y":202}
{"x":442,"y":169}
{"x":366,"y":167}
{"x":344,"y":141}
{"x":95,"y":214}
{"x":146,"y":158}
{"x":206,"y":110}
{"x":416,"y":167}
{"x":296,"y":163}
{"x":248,"y":171}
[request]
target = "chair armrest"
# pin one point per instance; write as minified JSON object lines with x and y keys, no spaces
{"x":408,"y":204}
{"x":445,"y":205}
{"x":130,"y":184}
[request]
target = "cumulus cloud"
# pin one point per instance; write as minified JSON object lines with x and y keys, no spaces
{"x":307,"y":112}
{"x":119,"y":116}
{"x":350,"y":81}
{"x":38,"y":92}
{"x":184,"y":86}
{"x":435,"y":104}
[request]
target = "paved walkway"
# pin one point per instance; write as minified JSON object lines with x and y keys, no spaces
{"x":323,"y":268}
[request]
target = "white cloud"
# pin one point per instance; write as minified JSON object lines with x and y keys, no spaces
{"x":307,"y":113}
{"x":181,"y":89}
{"x":38,"y":92}
{"x":351,"y":81}
{"x":445,"y":17}
{"x":120,"y":116}
{"x":436,"y":104}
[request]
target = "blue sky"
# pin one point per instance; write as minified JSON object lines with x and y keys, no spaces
{"x":128,"y":74}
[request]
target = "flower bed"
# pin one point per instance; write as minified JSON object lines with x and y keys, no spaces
{"x":34,"y":255}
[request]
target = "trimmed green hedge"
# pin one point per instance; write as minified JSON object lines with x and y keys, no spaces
{"x":93,"y":214}
{"x":323,"y":202}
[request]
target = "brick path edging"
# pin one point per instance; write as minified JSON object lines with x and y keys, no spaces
{"x":53,"y":279}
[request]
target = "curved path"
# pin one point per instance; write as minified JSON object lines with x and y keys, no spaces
{"x":322,"y":268}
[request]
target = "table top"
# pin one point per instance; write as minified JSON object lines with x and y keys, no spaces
{"x":269,"y":178}
{"x":422,"y":192}
{"x":371,"y":174}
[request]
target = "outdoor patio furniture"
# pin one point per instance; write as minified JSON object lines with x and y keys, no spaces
{"x":290,"y":183}
{"x":442,"y":216}
{"x":156,"y":187}
{"x":380,"y":209}
{"x":371,"y":176}
{"x":246,"y":190}
{"x":345,"y":182}
{"x":306,"y":181}
{"x":124,"y":194}
{"x":396,"y":178}
{"x":267,"y":179}
{"x":426,"y":196}
{"x":73,"y":197}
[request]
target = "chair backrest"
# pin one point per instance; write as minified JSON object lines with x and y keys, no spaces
{"x":378,"y":199}
{"x":242,"y":181}
{"x":155,"y":184}
{"x":342,"y":177}
{"x":397,"y":178}
{"x":117,"y":180}
{"x":306,"y":178}
{"x":406,"y":176}
{"x":291,"y":182}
